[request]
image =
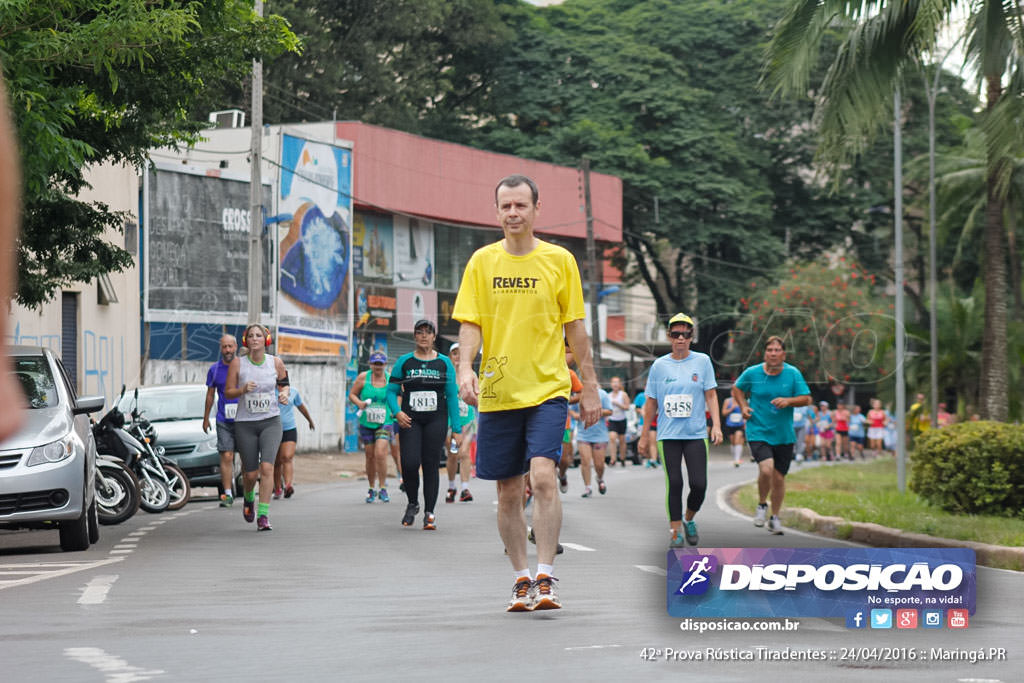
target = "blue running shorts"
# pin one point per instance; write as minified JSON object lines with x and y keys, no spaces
{"x":507,"y":439}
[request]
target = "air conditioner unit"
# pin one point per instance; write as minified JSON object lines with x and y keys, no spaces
{"x":228,"y":118}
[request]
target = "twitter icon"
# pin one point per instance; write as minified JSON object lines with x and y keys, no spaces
{"x":881,"y":618}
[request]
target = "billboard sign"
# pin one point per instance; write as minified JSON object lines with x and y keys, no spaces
{"x":315,"y":248}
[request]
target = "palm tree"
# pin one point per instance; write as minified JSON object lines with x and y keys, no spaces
{"x":883,"y":39}
{"x":963,"y":199}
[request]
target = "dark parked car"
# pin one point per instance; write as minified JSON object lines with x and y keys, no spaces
{"x":176,"y":413}
{"x":48,"y":469}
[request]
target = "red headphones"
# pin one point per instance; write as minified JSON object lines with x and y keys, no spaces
{"x":267,"y":338}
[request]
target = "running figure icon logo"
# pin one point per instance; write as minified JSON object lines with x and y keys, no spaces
{"x":695,"y":580}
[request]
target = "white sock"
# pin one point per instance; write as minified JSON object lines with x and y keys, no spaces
{"x":523,"y":574}
{"x":548,"y":569}
{"x":465,"y":486}
{"x":737,"y":452}
{"x":451,"y":484}
{"x":227,"y":492}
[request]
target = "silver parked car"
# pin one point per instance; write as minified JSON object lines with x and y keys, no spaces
{"x":47,"y":470}
{"x":176,"y":413}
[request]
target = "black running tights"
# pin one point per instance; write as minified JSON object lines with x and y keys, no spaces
{"x":421,"y":445}
{"x":673,"y":452}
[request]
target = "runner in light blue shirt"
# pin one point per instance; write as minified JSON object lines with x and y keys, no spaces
{"x":681,"y":389}
{"x":592,"y":442}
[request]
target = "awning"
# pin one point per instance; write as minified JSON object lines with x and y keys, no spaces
{"x":634,"y":352}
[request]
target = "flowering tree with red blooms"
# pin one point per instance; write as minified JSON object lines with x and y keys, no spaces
{"x":837,"y":329}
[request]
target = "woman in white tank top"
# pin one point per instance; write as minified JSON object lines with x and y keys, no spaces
{"x":259,"y":382}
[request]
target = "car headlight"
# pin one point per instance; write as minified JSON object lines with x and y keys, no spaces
{"x":52,"y":452}
{"x":210,"y":444}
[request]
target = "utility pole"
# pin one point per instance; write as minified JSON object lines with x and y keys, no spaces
{"x":255,"y":292}
{"x":593,"y":276}
{"x":901,"y":387}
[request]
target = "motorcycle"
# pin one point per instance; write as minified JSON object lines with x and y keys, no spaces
{"x":159,"y":466}
{"x":114,"y":439}
{"x":117,"y":490}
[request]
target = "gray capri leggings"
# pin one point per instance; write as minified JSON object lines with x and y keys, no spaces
{"x":258,"y":441}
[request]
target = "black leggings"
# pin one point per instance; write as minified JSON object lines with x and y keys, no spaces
{"x":421,"y":445}
{"x":673,"y":452}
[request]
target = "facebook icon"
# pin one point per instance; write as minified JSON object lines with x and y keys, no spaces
{"x":856,"y":620}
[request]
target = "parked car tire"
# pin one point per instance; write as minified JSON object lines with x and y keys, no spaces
{"x":94,"y":523}
{"x":74,"y":533}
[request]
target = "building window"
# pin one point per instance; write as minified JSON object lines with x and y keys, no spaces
{"x":452,"y":248}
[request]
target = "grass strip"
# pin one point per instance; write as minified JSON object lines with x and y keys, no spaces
{"x":867,"y":492}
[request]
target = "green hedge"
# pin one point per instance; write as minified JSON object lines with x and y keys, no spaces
{"x":973,"y":467}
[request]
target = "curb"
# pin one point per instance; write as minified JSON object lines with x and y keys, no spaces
{"x":1003,"y":557}
{"x":886,"y":537}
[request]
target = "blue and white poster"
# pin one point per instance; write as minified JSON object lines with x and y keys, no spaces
{"x":315,"y":248}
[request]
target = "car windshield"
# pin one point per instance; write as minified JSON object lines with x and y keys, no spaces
{"x":36,"y":381}
{"x":168,"y":405}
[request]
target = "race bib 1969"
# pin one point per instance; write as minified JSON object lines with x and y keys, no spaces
{"x":376,"y":413}
{"x":230,"y":410}
{"x":678,"y":405}
{"x":423,"y":401}
{"x":259,"y":403}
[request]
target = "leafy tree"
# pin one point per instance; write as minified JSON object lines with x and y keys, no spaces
{"x":94,"y":82}
{"x":883,"y":42}
{"x":961,"y":329}
{"x":962,"y":200}
{"x":662,"y":95}
{"x":835,"y":327}
{"x":388,"y":62}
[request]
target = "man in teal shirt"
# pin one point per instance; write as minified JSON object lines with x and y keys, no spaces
{"x":767,"y":393}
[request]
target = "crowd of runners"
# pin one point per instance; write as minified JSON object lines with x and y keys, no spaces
{"x":515,"y":421}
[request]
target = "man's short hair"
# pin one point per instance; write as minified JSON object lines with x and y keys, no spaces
{"x":772,"y":339}
{"x":516,"y":180}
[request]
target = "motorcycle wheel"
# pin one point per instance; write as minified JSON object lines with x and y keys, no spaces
{"x":117,"y":494}
{"x":154,"y":496}
{"x":178,"y":486}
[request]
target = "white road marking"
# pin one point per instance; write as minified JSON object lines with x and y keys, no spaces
{"x":120,"y":552}
{"x":650,"y":569}
{"x":576,"y":546}
{"x":49,"y":570}
{"x":95,"y":592}
{"x":147,"y":528}
{"x":112,"y":667}
{"x":137,"y":533}
{"x":591,"y":647}
{"x":125,"y":546}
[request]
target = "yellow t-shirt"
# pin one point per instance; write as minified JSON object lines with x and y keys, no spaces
{"x":521,"y":304}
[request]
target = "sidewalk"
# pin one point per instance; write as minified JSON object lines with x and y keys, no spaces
{"x":322,"y":468}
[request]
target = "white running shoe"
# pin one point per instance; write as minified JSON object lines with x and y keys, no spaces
{"x":775,"y":525}
{"x":761,"y":514}
{"x":543,"y":593}
{"x":521,"y":600}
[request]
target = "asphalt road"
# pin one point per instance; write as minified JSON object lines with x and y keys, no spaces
{"x":340,"y":591}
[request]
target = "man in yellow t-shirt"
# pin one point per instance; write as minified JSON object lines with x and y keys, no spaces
{"x":518,"y":298}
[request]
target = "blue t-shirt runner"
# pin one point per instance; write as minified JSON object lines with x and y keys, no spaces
{"x":288,"y":409}
{"x":768,"y":423}
{"x":768,"y":393}
{"x":216,"y":376}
